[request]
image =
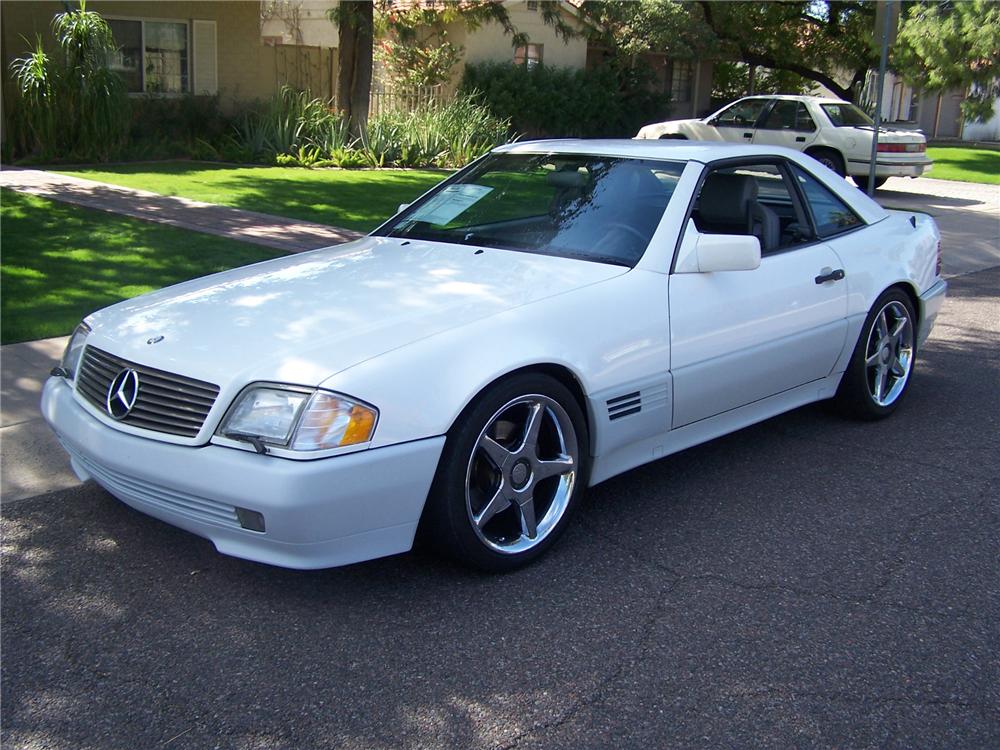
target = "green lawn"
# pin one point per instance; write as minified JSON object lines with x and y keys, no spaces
{"x":354,"y":199}
{"x":61,"y":262}
{"x":965,"y":164}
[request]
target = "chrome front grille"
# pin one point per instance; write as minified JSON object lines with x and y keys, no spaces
{"x":165,"y":402}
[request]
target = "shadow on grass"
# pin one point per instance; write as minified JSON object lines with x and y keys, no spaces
{"x":353,"y":199}
{"x":61,"y":262}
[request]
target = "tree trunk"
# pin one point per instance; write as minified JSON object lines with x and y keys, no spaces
{"x":354,"y":80}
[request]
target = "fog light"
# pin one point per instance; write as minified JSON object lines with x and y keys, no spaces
{"x":250,"y":520}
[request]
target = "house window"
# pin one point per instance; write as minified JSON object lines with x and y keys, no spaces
{"x":680,"y":81}
{"x":153,"y":56}
{"x":532,"y":5}
{"x":529,"y":55}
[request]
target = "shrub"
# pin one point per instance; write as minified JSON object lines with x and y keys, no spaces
{"x":558,"y":102}
{"x":180,"y":118}
{"x":296,"y":130}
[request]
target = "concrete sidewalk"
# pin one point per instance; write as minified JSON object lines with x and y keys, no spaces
{"x":31,"y":460}
{"x":290,"y":235}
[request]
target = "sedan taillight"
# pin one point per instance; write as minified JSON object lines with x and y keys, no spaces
{"x":901,"y":148}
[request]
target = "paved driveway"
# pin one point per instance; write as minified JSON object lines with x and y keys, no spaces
{"x":805,"y":582}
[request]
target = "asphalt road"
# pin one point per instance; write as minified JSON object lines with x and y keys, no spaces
{"x":807,"y":582}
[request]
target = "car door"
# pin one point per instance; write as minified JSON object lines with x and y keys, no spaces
{"x":741,"y":336}
{"x":789,"y":124}
{"x":736,"y":122}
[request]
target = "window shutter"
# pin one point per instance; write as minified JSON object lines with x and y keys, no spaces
{"x":206,"y":71}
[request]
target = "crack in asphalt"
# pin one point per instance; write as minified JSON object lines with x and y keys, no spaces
{"x":895,"y":561}
{"x":611,"y":678}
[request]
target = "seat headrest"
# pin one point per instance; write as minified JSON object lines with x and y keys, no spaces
{"x":725,"y":198}
{"x":568,"y":178}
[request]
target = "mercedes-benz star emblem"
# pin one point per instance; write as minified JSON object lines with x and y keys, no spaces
{"x":122,"y":393}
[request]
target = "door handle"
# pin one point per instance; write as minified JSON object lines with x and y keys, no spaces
{"x":830,"y":276}
{"x":748,"y":135}
{"x":800,"y":139}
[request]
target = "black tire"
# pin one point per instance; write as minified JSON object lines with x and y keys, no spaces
{"x":468,"y":475}
{"x":874,"y":354}
{"x":673,"y":137}
{"x":829,"y":159}
{"x":862,"y":182}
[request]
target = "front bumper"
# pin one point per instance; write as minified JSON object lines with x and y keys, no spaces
{"x":317,"y":514}
{"x":930,"y":306}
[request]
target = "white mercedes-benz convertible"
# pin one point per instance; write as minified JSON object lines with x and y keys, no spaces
{"x":552,"y":315}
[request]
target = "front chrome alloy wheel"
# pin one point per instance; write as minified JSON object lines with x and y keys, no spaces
{"x":521,"y":473}
{"x":889,"y":353}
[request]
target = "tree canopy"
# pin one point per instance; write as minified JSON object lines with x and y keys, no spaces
{"x":946,"y":45}
{"x":819,"y":40}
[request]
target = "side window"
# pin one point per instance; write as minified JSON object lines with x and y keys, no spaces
{"x":754,"y":199}
{"x":803,"y":120}
{"x":742,"y":114}
{"x":789,"y":115}
{"x":781,"y":117}
{"x":830,"y":214}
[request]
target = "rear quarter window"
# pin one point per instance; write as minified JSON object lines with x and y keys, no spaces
{"x":830,"y":214}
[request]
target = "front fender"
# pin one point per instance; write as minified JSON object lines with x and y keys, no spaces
{"x":609,"y":333}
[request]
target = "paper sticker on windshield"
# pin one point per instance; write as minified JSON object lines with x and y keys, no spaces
{"x":449,"y":203}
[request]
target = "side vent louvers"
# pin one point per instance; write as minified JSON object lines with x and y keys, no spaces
{"x":622,"y":406}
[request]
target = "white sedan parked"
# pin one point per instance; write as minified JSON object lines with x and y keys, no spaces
{"x":836,"y":133}
{"x":553,"y":315}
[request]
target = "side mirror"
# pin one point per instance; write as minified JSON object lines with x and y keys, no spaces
{"x":402,"y":207}
{"x":726,"y":252}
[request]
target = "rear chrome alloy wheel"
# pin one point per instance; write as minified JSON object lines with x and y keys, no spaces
{"x":521,"y":474}
{"x":889,"y":353}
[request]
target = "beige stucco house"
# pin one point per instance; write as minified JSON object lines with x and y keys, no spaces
{"x":688,"y":82}
{"x":171,"y":48}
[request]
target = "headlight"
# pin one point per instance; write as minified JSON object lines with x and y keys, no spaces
{"x":74,"y":350}
{"x":300,"y":420}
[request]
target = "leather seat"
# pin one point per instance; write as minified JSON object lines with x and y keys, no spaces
{"x":728,"y":205}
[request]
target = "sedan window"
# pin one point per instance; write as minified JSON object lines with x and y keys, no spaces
{"x":598,"y":208}
{"x":789,"y":115}
{"x":743,"y":114}
{"x":847,"y":115}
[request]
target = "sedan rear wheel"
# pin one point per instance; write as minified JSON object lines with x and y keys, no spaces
{"x":879,"y":373}
{"x":510,"y":475}
{"x":862,"y":181}
{"x":829,"y":159}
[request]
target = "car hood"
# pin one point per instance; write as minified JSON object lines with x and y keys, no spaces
{"x":655,"y":129}
{"x":305,"y":317}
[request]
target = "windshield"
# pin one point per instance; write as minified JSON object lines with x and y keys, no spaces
{"x":847,"y":115}
{"x":599,"y":208}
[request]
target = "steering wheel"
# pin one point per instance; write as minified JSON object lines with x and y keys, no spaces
{"x":629,"y":240}
{"x":622,"y":227}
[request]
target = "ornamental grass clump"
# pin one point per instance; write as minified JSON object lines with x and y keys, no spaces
{"x":294,"y":129}
{"x":71,"y":104}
